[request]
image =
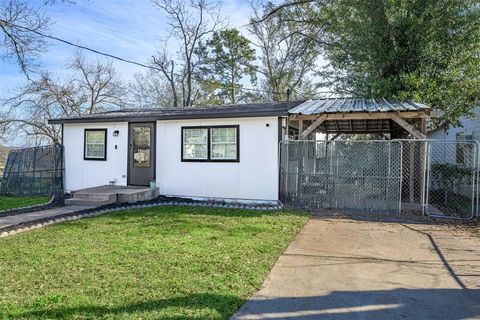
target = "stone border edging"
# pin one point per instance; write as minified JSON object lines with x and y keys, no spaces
{"x":28,"y":209}
{"x":39,"y":223}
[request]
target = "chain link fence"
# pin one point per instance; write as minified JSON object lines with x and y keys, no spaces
{"x":33,"y":172}
{"x":429,"y":177}
{"x":346,"y":175}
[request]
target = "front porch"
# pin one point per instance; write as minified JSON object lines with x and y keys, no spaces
{"x":103,"y":195}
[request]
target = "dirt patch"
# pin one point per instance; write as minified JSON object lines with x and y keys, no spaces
{"x":472,"y":226}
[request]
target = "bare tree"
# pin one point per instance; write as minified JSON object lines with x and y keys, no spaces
{"x":93,"y":87}
{"x":19,"y":24}
{"x":151,"y":89}
{"x":189,"y":22}
{"x":288,"y":51}
{"x":167,"y":68}
{"x":98,"y":85}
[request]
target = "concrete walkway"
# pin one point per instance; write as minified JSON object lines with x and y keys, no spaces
{"x":27,"y":217}
{"x":346,"y":269}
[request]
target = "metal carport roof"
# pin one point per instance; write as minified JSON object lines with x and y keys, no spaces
{"x":342,"y":105}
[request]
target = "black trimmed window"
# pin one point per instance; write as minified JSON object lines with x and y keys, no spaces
{"x":211,"y":143}
{"x":95,"y":144}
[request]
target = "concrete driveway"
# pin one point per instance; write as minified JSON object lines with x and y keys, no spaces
{"x":346,"y":269}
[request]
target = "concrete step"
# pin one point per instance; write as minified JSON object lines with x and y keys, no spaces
{"x":88,"y":202}
{"x":95,"y":196}
{"x":135,"y":195}
{"x":103,"y":195}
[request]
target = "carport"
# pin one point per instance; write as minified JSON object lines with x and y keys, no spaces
{"x":373,"y":156}
{"x":385,"y":118}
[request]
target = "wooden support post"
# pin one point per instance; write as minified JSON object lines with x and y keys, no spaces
{"x":300,"y":129}
{"x":312,"y":127}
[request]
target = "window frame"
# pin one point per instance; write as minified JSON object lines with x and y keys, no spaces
{"x":85,"y":157}
{"x":209,"y":143}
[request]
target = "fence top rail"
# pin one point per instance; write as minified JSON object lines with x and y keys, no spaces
{"x":384,"y":140}
{"x":476,"y":142}
{"x":338,"y":141}
{"x":30,"y":148}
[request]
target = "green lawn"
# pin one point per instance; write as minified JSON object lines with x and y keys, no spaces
{"x":157,"y":263}
{"x":8,"y":202}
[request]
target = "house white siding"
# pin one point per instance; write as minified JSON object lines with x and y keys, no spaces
{"x":446,"y":153}
{"x":254,"y":177}
{"x":468,"y":127}
{"x":80,"y":173}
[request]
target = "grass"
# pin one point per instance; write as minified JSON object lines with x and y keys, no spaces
{"x":10,"y":202}
{"x":156,"y":263}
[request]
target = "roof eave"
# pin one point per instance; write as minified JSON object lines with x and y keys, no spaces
{"x":274,"y":113}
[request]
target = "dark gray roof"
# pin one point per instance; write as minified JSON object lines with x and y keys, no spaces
{"x":319,"y":106}
{"x":227,"y":111}
{"x":335,"y":105}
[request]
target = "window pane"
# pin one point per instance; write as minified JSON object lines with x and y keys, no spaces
{"x":231,"y":151}
{"x":224,"y":134}
{"x":231,"y":135}
{"x":95,"y":151}
{"x":141,"y":158}
{"x":224,"y":151}
{"x":141,"y":136}
{"x":218,"y":151}
{"x":195,"y":151}
{"x":95,"y":136}
{"x":195,"y":135}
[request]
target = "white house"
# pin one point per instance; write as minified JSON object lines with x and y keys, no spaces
{"x":227,"y":152}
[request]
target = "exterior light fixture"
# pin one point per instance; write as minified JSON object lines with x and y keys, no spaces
{"x":116,"y":133}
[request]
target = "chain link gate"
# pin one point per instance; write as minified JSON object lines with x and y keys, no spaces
{"x":452,"y":179}
{"x":344,"y":175}
{"x":431,"y":177}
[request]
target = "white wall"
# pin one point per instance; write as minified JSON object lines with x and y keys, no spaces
{"x":468,"y":127}
{"x":446,"y":153}
{"x":81,"y":173}
{"x":255,"y":177}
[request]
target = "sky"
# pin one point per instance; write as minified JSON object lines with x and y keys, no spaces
{"x":131,"y":29}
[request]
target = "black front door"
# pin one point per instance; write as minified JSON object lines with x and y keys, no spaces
{"x":141,"y":153}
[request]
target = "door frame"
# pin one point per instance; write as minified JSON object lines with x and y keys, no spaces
{"x":153,"y":149}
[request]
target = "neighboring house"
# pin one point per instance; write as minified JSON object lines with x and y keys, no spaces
{"x":460,"y":136}
{"x":227,"y":152}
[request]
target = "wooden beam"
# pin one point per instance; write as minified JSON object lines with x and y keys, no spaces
{"x":360,"y":131}
{"x":335,"y":136}
{"x":312,"y":127}
{"x":407,"y":126}
{"x":362,"y":115}
{"x":300,"y":128}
